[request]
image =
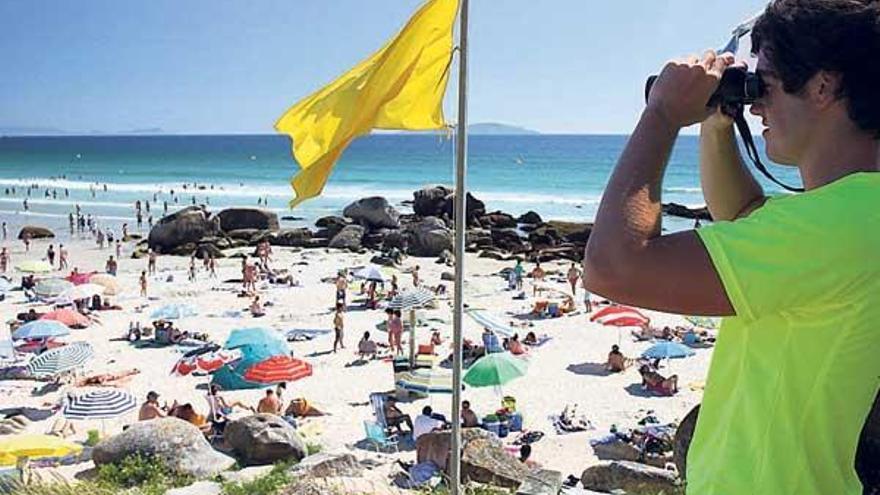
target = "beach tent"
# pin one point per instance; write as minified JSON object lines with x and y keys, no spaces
{"x":256,"y":345}
{"x":34,"y":447}
{"x":68,"y":317}
{"x":34,"y":266}
{"x":41,"y":329}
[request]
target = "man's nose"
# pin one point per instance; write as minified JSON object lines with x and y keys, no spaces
{"x":757,"y":108}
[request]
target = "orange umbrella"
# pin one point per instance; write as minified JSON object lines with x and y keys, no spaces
{"x":278,"y":369}
{"x":68,"y":317}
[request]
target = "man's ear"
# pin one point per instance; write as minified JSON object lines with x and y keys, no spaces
{"x":824,"y":88}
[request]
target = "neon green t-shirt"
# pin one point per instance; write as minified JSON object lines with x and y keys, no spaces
{"x":795,"y":372}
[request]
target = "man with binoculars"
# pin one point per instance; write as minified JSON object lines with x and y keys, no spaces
{"x":797,"y":277}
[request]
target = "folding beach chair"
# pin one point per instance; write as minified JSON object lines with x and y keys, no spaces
{"x":380,"y":439}
{"x":377,"y":400}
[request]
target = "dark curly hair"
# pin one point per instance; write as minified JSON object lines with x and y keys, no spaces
{"x":802,"y":37}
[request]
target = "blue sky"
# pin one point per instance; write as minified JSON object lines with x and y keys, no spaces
{"x":199,"y":66}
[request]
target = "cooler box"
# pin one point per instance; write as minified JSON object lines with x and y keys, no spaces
{"x":493,"y":426}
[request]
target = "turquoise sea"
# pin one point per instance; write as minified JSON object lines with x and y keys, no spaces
{"x":558,"y":176}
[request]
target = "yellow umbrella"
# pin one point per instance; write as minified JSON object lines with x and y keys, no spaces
{"x":34,"y":266}
{"x":109,"y":282}
{"x":34,"y":446}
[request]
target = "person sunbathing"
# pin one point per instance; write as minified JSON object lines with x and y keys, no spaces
{"x":188,"y":413}
{"x":269,"y":404}
{"x":257,"y":308}
{"x":515,"y":346}
{"x":394,"y":417}
{"x":655,"y":382}
{"x":617,"y":362}
{"x":108,"y":378}
{"x":367,"y":347}
{"x":301,"y":408}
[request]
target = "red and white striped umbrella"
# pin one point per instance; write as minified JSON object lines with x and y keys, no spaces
{"x":278,"y":369}
{"x":620,"y":316}
{"x":206,"y":363}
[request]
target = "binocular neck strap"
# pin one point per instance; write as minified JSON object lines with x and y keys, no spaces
{"x":752,"y":150}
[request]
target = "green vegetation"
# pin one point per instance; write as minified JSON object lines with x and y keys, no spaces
{"x":269,"y":484}
{"x":150,"y":475}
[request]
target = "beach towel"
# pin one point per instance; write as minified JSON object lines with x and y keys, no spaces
{"x":570,"y":421}
{"x":302,"y":334}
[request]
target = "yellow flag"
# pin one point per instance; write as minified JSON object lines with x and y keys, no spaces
{"x":399,"y":87}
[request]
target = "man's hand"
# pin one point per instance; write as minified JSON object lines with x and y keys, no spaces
{"x":684,"y":87}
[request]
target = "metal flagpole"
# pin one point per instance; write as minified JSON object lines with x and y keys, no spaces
{"x":460,"y":226}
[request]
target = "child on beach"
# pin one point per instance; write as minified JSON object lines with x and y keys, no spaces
{"x":192,"y":268}
{"x":212,"y":265}
{"x":341,"y":285}
{"x":50,"y":254}
{"x":4,"y":260}
{"x":415,"y":276}
{"x":573,"y":275}
{"x":143,"y":283}
{"x":151,"y":261}
{"x":62,"y":257}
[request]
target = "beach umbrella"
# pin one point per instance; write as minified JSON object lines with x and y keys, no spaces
{"x":425,"y":381}
{"x":68,"y":317}
{"x":79,"y":278}
{"x":620,"y":316}
{"x":41,"y":329}
{"x":206,"y":362}
{"x":105,"y":403}
{"x":82,"y":291}
{"x":34,"y":447}
{"x":61,"y":359}
{"x":495,"y":369}
{"x":109,"y":282}
{"x":667,"y":350}
{"x":703,"y":322}
{"x":51,"y":287}
{"x":371,"y":272}
{"x":278,"y":369}
{"x":241,"y":337}
{"x":173,"y":312}
{"x":34,"y":266}
{"x":410,"y":300}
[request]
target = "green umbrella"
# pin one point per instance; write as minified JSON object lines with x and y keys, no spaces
{"x":495,"y":369}
{"x":34,"y":266}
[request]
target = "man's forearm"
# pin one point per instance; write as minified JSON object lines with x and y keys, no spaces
{"x":630,"y":212}
{"x":728,"y":185}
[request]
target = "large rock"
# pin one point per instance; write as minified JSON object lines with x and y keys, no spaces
{"x":186,"y":226}
{"x":264,"y":439}
{"x":247,"y":218}
{"x":677,"y":210}
{"x":291,"y":237}
{"x":508,"y":240}
{"x":529,"y":217}
{"x":565,"y":231}
{"x":473,"y":209}
{"x":179,"y":444}
{"x":867,"y":463}
{"x":373,"y":212}
{"x":429,"y":237}
{"x":430,"y":201}
{"x":35,"y":232}
{"x":484,"y":460}
{"x":326,"y":465}
{"x":498,"y":220}
{"x":348,"y":238}
{"x":630,"y":477}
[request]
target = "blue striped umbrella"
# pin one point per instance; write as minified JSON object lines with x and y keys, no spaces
{"x":100,"y":404}
{"x":174,"y":312}
{"x":668,"y":350}
{"x":51,"y":287}
{"x":41,"y":329}
{"x":61,"y":359}
{"x":425,"y":381}
{"x":413,"y":298}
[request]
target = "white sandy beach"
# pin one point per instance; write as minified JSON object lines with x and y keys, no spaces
{"x":565,"y":370}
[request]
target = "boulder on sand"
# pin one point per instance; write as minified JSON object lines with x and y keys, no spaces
{"x":429,"y":237}
{"x":631,"y":477}
{"x":179,"y":444}
{"x":35,"y":232}
{"x":264,"y":439}
{"x":373,"y":212}
{"x":348,"y":238}
{"x":247,"y":218}
{"x":186,"y":226}
{"x":430,"y":201}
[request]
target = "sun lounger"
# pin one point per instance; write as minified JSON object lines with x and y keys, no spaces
{"x":377,"y":401}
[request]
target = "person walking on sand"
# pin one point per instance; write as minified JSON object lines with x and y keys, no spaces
{"x":62,"y":257}
{"x":212,"y":265}
{"x":5,"y":231}
{"x":395,"y":331}
{"x":794,"y":374}
{"x":192,"y":267}
{"x":50,"y":255}
{"x":151,"y":261}
{"x":573,"y":276}
{"x":4,"y":260}
{"x":143,"y":282}
{"x":537,"y":278}
{"x":118,"y":249}
{"x":341,"y":287}
{"x":111,"y":266}
{"x":338,"y":327}
{"x":26,"y":238}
